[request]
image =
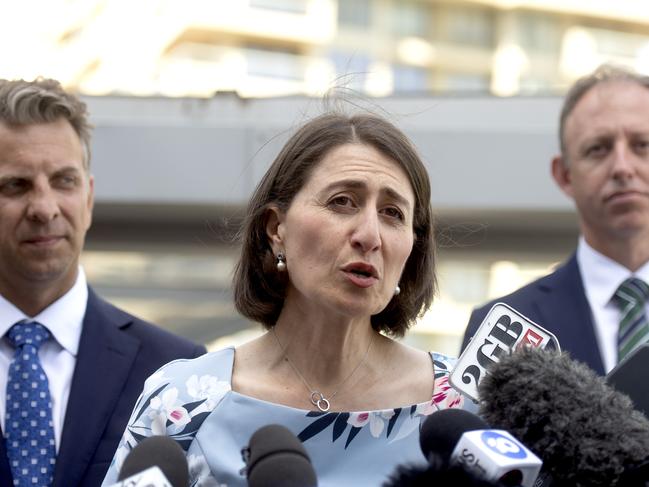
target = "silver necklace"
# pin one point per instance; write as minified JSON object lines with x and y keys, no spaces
{"x":316,"y":397}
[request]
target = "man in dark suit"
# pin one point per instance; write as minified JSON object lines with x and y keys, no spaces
{"x":94,"y":358}
{"x":604,"y":168}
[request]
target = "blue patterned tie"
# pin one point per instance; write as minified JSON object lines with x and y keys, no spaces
{"x":631,"y":297}
{"x":28,"y":423}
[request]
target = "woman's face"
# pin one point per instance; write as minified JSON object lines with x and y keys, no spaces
{"x":347,"y":234}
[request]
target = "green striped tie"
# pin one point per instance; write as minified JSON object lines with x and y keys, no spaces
{"x":631,"y":297}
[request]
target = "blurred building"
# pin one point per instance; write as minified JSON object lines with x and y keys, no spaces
{"x":193,"y":98}
{"x":278,"y":47}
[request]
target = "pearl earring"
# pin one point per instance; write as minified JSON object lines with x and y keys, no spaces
{"x":397,"y":290}
{"x":281,"y":262}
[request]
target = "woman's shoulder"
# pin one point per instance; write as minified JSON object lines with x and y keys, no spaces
{"x":444,"y":395}
{"x":175,"y":401}
{"x":442,"y":363}
{"x":217,"y":364}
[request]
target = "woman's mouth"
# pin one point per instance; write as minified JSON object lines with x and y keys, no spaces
{"x":361,"y":274}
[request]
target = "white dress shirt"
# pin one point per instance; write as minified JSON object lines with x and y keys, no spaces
{"x":601,"y":277}
{"x":58,"y":355}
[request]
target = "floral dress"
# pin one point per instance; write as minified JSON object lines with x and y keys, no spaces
{"x":192,"y":401}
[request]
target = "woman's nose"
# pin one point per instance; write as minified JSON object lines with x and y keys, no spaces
{"x":367,"y":235}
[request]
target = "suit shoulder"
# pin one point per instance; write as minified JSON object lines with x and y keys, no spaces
{"x":151,"y":332}
{"x":526,"y":298}
{"x":523,"y":296}
{"x":151,"y":336}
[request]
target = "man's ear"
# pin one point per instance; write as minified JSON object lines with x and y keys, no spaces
{"x":561,"y":174}
{"x":275,"y":229}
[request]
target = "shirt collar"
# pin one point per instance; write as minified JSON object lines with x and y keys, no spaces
{"x":64,"y":317}
{"x":601,"y":275}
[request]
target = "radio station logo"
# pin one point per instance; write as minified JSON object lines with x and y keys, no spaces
{"x":503,"y":445}
{"x":531,"y":339}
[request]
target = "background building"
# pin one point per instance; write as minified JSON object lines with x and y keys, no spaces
{"x":193,"y":98}
{"x":278,"y":47}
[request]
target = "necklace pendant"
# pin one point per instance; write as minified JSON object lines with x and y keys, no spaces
{"x":321,"y":402}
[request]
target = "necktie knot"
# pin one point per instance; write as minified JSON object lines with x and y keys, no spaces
{"x":631,"y":298}
{"x":633,"y":291}
{"x":28,"y":333}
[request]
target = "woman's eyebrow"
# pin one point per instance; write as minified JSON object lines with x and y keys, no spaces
{"x":360,"y":184}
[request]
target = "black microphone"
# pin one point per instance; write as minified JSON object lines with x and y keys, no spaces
{"x":276,"y":457}
{"x":462,"y":438}
{"x":436,"y":473}
{"x":453,"y":442}
{"x":586,"y":433}
{"x":443,"y":429}
{"x":161,"y":452}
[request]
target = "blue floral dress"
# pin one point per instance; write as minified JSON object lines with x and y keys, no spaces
{"x":193,"y":402}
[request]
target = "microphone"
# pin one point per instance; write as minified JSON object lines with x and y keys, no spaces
{"x":276,"y":457}
{"x":436,"y":474}
{"x":456,"y":458}
{"x":158,"y":461}
{"x":443,"y":429}
{"x":586,"y":433}
{"x":151,"y":477}
{"x":461,"y":438}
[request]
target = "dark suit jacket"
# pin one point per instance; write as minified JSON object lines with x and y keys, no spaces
{"x":558,"y":303}
{"x":117,"y":352}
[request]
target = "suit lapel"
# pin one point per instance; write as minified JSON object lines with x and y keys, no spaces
{"x":5,"y":471}
{"x":566,"y":312}
{"x":103,"y":364}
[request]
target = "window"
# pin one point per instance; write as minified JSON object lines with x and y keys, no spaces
{"x":410,"y":79}
{"x":274,"y":63}
{"x":617,"y":44}
{"x":539,"y":32}
{"x":293,"y":6}
{"x":472,"y":26}
{"x":355,"y":13}
{"x":351,"y":69}
{"x":411,"y":19}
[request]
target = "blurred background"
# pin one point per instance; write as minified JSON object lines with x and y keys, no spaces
{"x":192,"y":99}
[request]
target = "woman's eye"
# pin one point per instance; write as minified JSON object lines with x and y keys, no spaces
{"x":394,"y":213}
{"x":341,"y":201}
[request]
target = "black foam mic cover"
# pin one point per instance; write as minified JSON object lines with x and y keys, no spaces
{"x":277,"y":458}
{"x":586,"y":433}
{"x":161,"y":452}
{"x":435,"y":474}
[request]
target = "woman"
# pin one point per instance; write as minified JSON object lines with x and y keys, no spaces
{"x":337,"y":257}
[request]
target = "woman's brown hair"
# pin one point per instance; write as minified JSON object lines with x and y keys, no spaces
{"x":259,"y":289}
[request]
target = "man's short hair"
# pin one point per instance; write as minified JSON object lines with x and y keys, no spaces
{"x":603,"y":74}
{"x":42,"y":101}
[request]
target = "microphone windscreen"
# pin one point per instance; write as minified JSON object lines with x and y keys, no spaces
{"x":442,"y":430}
{"x":278,"y":458}
{"x":436,"y":474}
{"x":585,"y":432}
{"x":161,"y":452}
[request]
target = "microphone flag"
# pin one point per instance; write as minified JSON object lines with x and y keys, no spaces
{"x":501,"y":332}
